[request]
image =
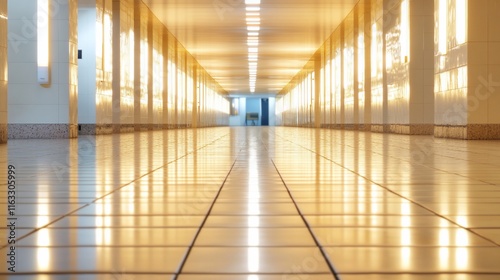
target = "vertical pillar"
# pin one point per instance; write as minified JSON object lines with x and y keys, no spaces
{"x":318,"y":80}
{"x":3,"y":72}
{"x":117,"y":64}
{"x":467,"y":73}
{"x":166,"y":85}
{"x":195,"y":96}
{"x":367,"y":102}
{"x":104,"y":67}
{"x":72,"y":50}
{"x":149,"y":65}
{"x":137,"y":65}
{"x":421,"y":61}
{"x":378,"y":89}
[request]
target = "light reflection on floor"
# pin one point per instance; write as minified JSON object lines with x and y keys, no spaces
{"x":131,"y":206}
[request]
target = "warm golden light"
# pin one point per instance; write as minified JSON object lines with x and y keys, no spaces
{"x":405,"y":31}
{"x":253,"y":9}
{"x":43,"y":41}
{"x":443,"y":27}
{"x":251,"y":20}
{"x":461,"y":21}
{"x":253,"y":28}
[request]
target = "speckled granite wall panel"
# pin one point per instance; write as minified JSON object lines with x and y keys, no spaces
{"x":87,"y":129}
{"x":351,"y":126}
{"x":454,"y":132}
{"x":126,"y":128}
{"x":38,"y":131}
{"x":483,"y":131}
{"x":102,"y":129}
{"x":412,"y":129}
{"x":3,"y":133}
{"x":469,"y":132}
{"x":421,"y":129}
{"x":73,"y":131}
{"x":377,"y":128}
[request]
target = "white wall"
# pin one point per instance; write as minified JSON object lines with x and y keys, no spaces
{"x":29,"y":102}
{"x":239,"y":120}
{"x":272,"y":111}
{"x":87,"y":66}
{"x":254,"y":106}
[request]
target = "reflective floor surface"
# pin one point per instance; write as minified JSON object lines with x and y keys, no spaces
{"x":251,"y":203}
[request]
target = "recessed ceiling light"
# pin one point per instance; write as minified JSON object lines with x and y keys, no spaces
{"x":253,"y":19}
{"x":253,"y":28}
{"x":253,"y":42}
{"x":252,"y":2}
{"x":253,"y":9}
{"x":253,"y":34}
{"x":253,"y":14}
{"x":253,"y":57}
{"x":253,"y":50}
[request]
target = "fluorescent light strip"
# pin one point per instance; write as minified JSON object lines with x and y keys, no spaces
{"x":253,"y":28}
{"x":252,"y":2}
{"x":253,"y":9}
{"x":43,"y":41}
{"x":253,"y":43}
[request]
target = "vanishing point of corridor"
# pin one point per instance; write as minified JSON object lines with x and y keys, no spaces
{"x":253,"y":203}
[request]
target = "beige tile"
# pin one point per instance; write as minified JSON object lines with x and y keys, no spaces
{"x":421,"y":260}
{"x":257,"y":276}
{"x":416,"y":276}
{"x":255,"y":260}
{"x":393,"y":237}
{"x":251,"y":236}
{"x":365,"y":196}
{"x":490,"y":234}
{"x":127,"y":260}
{"x":118,"y":274}
{"x":217,"y":221}
{"x":104,"y":236}
{"x":376,"y":221}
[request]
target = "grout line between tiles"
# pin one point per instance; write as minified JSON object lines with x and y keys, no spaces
{"x":190,"y":248}
{"x":316,"y":241}
{"x":392,"y":191}
{"x":113,"y":191}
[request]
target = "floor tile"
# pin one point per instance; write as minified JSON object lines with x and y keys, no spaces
{"x":126,"y":260}
{"x":253,"y":236}
{"x":278,"y":276}
{"x":255,"y":260}
{"x":422,"y":260}
{"x":107,"y":236}
{"x":131,"y":205}
{"x":387,"y":237}
{"x":118,"y":275}
{"x":449,"y":276}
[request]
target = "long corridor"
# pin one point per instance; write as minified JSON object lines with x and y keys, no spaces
{"x":251,"y":203}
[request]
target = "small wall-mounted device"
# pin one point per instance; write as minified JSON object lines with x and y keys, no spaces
{"x":43,"y":75}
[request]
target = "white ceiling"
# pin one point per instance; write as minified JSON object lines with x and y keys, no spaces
{"x":214,"y":32}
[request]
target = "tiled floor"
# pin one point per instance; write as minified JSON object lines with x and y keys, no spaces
{"x":253,"y":203}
